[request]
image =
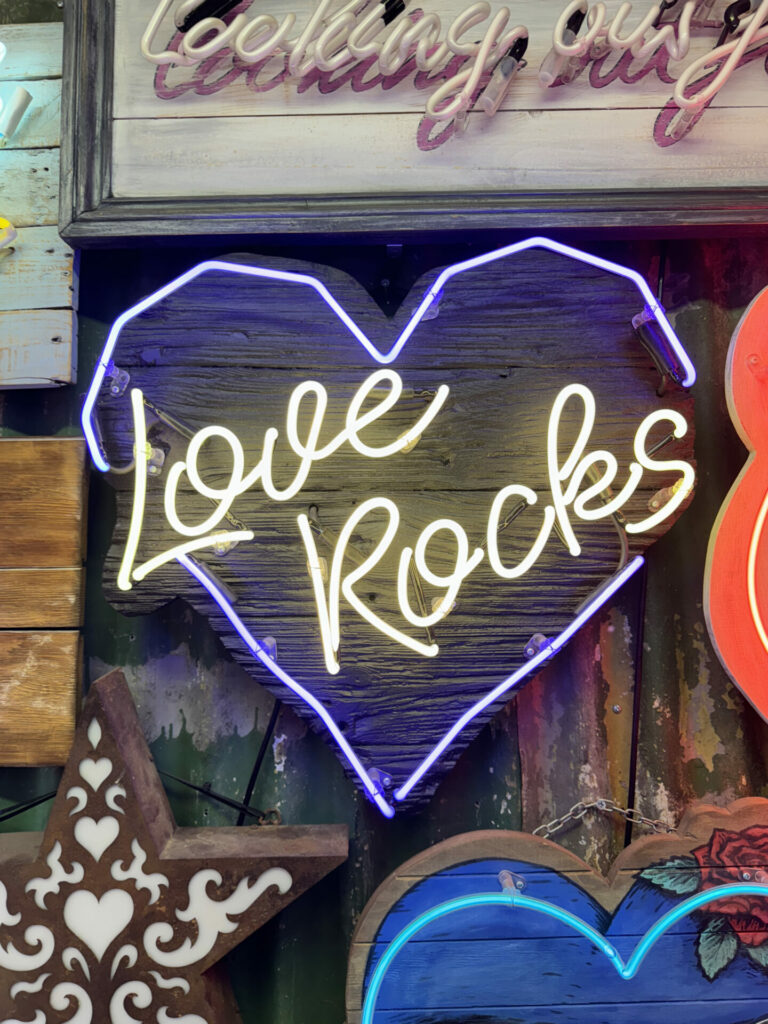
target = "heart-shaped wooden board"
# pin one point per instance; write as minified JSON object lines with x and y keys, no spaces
{"x":501,"y":963}
{"x":229,"y":349}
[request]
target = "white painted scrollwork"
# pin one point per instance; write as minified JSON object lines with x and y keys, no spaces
{"x":169,"y":983}
{"x":43,"y":887}
{"x":210,"y":916}
{"x":115,"y":793}
{"x":62,"y":997}
{"x":29,"y":986}
{"x":94,"y":733}
{"x":129,"y":954}
{"x":95,"y":772}
{"x":6,"y":917}
{"x":163,"y":1017}
{"x":39,"y":1018}
{"x":96,"y":836}
{"x":135,"y":873}
{"x":37,"y":935}
{"x":139,"y":994}
{"x":78,"y":794}
{"x":72,"y":956}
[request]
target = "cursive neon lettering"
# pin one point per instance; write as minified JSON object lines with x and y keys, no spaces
{"x":463,"y":565}
{"x":307,"y":405}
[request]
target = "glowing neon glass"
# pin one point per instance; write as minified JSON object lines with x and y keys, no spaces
{"x":516,"y":901}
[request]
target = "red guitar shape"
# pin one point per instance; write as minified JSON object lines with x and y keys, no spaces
{"x":736,"y":578}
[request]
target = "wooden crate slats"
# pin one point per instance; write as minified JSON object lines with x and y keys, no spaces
{"x":40,"y":272}
{"x":42,"y":524}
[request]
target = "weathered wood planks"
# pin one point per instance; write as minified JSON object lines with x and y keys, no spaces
{"x":39,"y":273}
{"x":42,"y":523}
{"x":233,"y":133}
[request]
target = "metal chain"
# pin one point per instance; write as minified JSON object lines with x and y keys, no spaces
{"x":607,"y":806}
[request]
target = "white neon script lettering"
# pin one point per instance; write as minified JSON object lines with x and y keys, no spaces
{"x":569,"y":497}
{"x":240,"y":481}
{"x":335,"y":36}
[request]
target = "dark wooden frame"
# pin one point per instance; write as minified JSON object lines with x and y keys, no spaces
{"x":90,"y":215}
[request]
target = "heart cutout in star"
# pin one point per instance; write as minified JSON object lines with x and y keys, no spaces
{"x":231,"y":347}
{"x":97,"y":922}
{"x":96,"y":836}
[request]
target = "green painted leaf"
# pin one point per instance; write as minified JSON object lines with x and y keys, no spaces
{"x":717,"y":946}
{"x":679,"y":875}
{"x":759,"y":954}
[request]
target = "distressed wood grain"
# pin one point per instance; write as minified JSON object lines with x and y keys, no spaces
{"x":265,"y":158}
{"x":40,"y":272}
{"x":41,"y":598}
{"x":38,"y":348}
{"x":42,"y":518}
{"x":39,"y":677}
{"x":30,"y":186}
{"x":34,"y":51}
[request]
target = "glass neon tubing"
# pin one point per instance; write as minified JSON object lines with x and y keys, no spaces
{"x":507,"y":684}
{"x":261,"y":655}
{"x":258,"y":652}
{"x":384,"y":358}
{"x":510,"y":898}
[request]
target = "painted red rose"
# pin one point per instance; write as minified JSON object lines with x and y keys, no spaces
{"x":738,"y":857}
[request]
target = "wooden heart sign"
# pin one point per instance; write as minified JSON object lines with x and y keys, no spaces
{"x":391,"y":522}
{"x":736,"y":579}
{"x":503,"y":926}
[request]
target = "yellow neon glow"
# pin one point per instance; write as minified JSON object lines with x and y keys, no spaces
{"x":139,"y":489}
{"x":558,"y":473}
{"x":757,"y":532}
{"x":233,"y":536}
{"x":318,"y":585}
{"x":464,"y":565}
{"x":492,"y":540}
{"x":566,"y":481}
{"x":328,"y":606}
{"x":684,"y":488}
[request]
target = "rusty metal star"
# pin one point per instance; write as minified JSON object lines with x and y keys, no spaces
{"x":115,"y":914}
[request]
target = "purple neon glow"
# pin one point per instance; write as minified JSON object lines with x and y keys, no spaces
{"x":261,"y":655}
{"x":511,"y":681}
{"x":384,"y":358}
{"x":503,"y":687}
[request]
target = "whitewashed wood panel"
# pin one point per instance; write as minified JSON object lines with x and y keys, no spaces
{"x":135,"y":96}
{"x":277,"y":156}
{"x":40,"y":128}
{"x":37,"y":348}
{"x":39,"y":273}
{"x":29,"y":186}
{"x":34,"y":51}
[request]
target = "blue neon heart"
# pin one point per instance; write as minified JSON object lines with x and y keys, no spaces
{"x":456,"y":959}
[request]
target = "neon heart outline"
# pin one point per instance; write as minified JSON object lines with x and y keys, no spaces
{"x":515,"y":900}
{"x":373,"y":787}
